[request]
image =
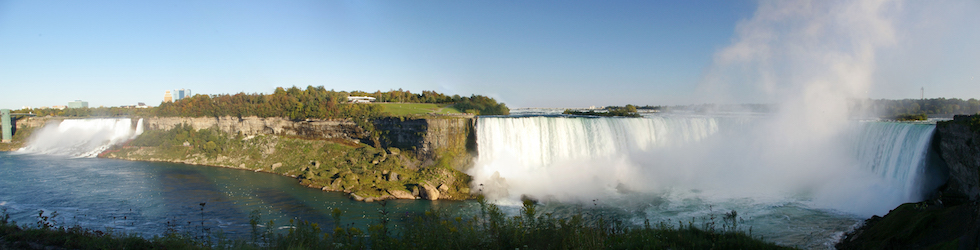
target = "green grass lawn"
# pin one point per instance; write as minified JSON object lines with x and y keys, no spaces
{"x":418,"y":108}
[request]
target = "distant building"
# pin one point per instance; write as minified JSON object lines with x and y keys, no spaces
{"x":181,"y":94}
{"x":360,"y":99}
{"x":77,"y":104}
{"x":141,"y":105}
{"x":61,"y":107}
{"x":167,"y":97}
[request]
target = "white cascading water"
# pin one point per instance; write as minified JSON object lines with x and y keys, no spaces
{"x":895,"y":151}
{"x":579,"y":159}
{"x":82,"y":137}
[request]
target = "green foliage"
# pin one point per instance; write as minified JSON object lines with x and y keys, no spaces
{"x":19,"y":139}
{"x":910,"y":117}
{"x":490,"y":229}
{"x":480,"y":105}
{"x":210,"y":142}
{"x":311,"y":103}
{"x":971,"y":121}
{"x":406,"y":109}
{"x":934,"y":107}
{"x":612,"y":111}
{"x":88,"y":112}
{"x":47,"y":232}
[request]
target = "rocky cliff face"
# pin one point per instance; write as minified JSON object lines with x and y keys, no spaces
{"x":247,"y":126}
{"x":34,"y":122}
{"x":429,"y":137}
{"x":959,"y":146}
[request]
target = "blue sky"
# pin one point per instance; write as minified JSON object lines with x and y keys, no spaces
{"x":525,"y":53}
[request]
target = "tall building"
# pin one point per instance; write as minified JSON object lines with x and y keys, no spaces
{"x":167,"y":97}
{"x":181,"y":94}
{"x":77,"y":104}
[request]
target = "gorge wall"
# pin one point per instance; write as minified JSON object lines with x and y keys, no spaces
{"x":250,"y":126}
{"x":429,"y":137}
{"x":959,"y":145}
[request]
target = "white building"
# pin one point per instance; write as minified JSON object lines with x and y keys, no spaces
{"x":360,"y":99}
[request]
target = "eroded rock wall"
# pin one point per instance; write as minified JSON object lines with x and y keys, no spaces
{"x":429,"y":137}
{"x":959,"y":146}
{"x":314,"y":129}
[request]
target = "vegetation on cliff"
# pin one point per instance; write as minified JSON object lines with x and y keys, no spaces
{"x":19,"y":139}
{"x":972,"y":122}
{"x":332,"y":165}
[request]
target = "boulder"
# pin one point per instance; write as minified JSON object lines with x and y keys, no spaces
{"x":429,"y":192}
{"x":392,"y":176}
{"x":401,"y":194}
{"x":356,"y":197}
{"x":443,"y":188}
{"x":276,"y":165}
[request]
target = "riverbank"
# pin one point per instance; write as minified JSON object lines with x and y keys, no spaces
{"x":424,"y":157}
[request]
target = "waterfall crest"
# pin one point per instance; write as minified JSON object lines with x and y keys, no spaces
{"x":866,"y":169}
{"x":82,"y":137}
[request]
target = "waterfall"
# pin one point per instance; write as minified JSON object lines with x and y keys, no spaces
{"x":540,"y":141}
{"x":895,"y":151}
{"x":82,"y":137}
{"x":866,"y":168}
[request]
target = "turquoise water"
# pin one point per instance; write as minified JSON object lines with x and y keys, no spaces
{"x":148,"y":197}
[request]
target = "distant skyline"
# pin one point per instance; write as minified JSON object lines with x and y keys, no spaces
{"x":524,"y":53}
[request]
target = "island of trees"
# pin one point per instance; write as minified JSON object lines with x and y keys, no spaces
{"x":612,"y":111}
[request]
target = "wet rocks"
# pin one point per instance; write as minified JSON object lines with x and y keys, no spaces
{"x":429,"y":192}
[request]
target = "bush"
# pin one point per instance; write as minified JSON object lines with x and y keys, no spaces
{"x":490,"y":229}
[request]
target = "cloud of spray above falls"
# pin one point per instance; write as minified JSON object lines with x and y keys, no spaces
{"x":806,"y":55}
{"x":810,"y":58}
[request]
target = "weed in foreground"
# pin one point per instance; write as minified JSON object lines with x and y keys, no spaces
{"x":434,"y":229}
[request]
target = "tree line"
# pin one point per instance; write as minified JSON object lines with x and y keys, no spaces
{"x":936,"y":107}
{"x":317,"y":103}
{"x":293,"y":103}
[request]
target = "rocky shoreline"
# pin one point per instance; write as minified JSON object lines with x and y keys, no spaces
{"x":425,"y":191}
{"x":424,"y":158}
